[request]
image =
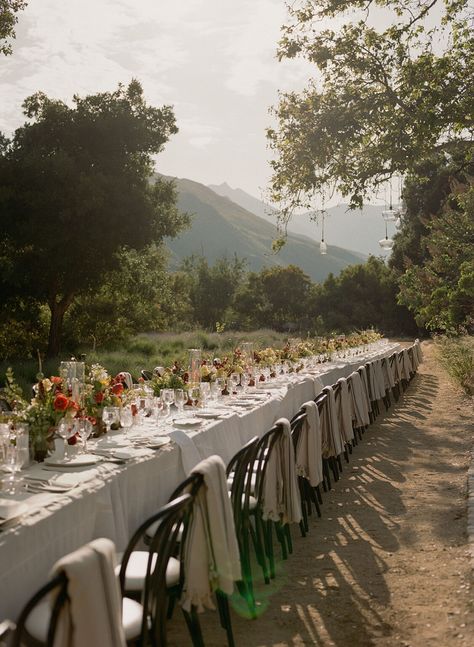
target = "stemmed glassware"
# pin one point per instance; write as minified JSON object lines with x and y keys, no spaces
{"x":234,"y":382}
{"x":83,"y":427}
{"x":13,"y":462}
{"x":66,"y":430}
{"x":244,"y":381}
{"x":180,"y":401}
{"x":194,"y":392}
{"x":110,"y":416}
{"x":126,"y":419}
{"x":167,"y":395}
{"x":204,"y":392}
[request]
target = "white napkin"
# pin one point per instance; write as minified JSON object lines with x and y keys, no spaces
{"x":309,"y":459}
{"x":344,"y":414}
{"x":189,"y":452}
{"x":212,"y":559}
{"x":332,"y":439}
{"x":10,"y":509}
{"x":281,"y":499}
{"x":93,"y":614}
{"x":360,"y":412}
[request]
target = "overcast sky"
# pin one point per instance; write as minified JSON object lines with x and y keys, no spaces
{"x":213,"y":60}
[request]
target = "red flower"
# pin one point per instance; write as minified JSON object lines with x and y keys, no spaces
{"x":56,"y":380}
{"x":61,"y":402}
{"x":98,"y":397}
{"x":117,"y":389}
{"x":73,"y":405}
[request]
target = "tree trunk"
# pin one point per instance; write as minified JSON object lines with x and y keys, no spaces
{"x":58,"y":309}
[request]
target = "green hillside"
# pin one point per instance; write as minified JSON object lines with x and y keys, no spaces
{"x":222,"y":228}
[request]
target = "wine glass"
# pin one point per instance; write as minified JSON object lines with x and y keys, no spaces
{"x":215,"y":392}
{"x":244,"y":381}
{"x":66,"y":430}
{"x":167,"y":396}
{"x":220,"y":381}
{"x":12,"y":463}
{"x":161,"y":411}
{"x":234,"y":382}
{"x":110,"y":416}
{"x":194,"y":392}
{"x":126,"y":419}
{"x":179,"y":400}
{"x":205,"y":392}
{"x":4,"y":438}
{"x":83,"y":427}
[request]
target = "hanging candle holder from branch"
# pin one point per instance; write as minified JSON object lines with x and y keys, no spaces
{"x":323,"y":248}
{"x":389,"y":215}
{"x":386,"y":243}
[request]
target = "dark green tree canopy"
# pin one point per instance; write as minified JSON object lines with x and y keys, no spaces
{"x":382,"y":98}
{"x":76,"y":187}
{"x":8,"y":20}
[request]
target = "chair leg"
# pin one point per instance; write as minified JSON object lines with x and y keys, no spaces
{"x":194,"y":627}
{"x":258,"y":538}
{"x":269,"y":547}
{"x":287,"y":535}
{"x":318,"y":494}
{"x":224,"y":613}
{"x":281,"y":539}
{"x":246,"y":585}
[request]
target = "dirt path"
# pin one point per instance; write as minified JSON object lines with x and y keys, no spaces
{"x":387,"y":564}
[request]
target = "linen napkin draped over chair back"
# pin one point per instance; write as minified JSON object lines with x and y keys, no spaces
{"x":379,"y":380}
{"x":281,"y":496}
{"x":365,"y":387}
{"x":332,"y":440}
{"x":309,"y":458}
{"x":360,"y":412}
{"x":344,"y":414}
{"x":211,"y":553}
{"x":389,"y":381}
{"x":406,"y":365}
{"x":92,"y":617}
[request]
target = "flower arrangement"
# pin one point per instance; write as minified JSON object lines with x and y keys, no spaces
{"x":53,"y":401}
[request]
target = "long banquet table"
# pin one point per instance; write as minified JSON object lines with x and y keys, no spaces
{"x":111,"y":500}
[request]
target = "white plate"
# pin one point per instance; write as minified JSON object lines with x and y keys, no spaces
{"x":187,"y":424}
{"x":11,"y":510}
{"x":208,"y":415}
{"x":83,"y":460}
{"x":157,"y":443}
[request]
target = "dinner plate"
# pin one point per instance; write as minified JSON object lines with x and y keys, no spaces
{"x":157,"y":443}
{"x":83,"y":460}
{"x":209,"y":415}
{"x":187,"y":424}
{"x":10,"y":510}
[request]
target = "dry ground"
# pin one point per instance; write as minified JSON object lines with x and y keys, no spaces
{"x":387,"y":564}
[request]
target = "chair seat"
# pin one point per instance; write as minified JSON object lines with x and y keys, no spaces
{"x":151,"y":531}
{"x":137,"y":566}
{"x":37,"y":623}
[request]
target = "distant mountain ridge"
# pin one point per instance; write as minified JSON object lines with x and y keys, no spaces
{"x":220,"y":227}
{"x":359,"y":231}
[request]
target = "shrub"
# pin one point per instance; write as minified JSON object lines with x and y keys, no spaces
{"x":456,"y":354}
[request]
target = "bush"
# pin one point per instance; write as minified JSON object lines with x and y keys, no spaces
{"x":456,"y":354}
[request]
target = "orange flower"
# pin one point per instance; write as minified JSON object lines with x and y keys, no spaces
{"x":117,"y":389}
{"x":61,"y":402}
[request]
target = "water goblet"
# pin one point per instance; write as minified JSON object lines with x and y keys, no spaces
{"x":83,"y":427}
{"x":110,"y":416}
{"x":234,"y":382}
{"x":66,"y":430}
{"x":12,"y":463}
{"x":244,"y":381}
{"x":194,"y":392}
{"x":180,"y":401}
{"x":4,"y":438}
{"x":204,"y":392}
{"x":126,"y":419}
{"x":221,"y":382}
{"x":167,"y":396}
{"x":215,"y":393}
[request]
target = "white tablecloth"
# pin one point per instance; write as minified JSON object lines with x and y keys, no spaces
{"x":116,"y":499}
